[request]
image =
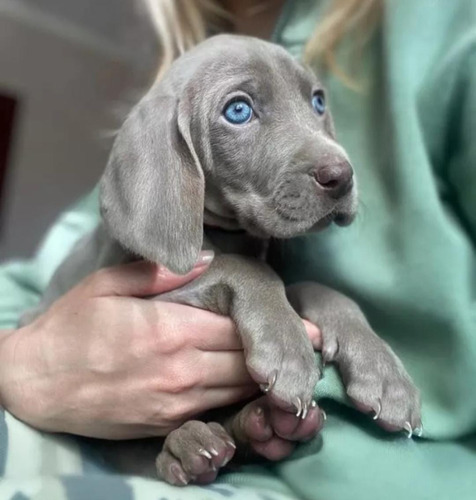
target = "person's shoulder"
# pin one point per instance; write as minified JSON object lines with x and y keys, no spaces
{"x":460,"y":25}
{"x":446,"y":96}
{"x":436,"y":24}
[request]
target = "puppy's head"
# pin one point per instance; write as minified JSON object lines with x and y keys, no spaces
{"x":237,"y":135}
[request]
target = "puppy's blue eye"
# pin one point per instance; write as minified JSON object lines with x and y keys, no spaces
{"x":238,"y":112}
{"x":319,"y":103}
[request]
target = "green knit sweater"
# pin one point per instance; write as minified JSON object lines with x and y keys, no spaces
{"x":409,"y":259}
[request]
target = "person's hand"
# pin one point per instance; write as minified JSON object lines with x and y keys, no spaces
{"x":104,"y":363}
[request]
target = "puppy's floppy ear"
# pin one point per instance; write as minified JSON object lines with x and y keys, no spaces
{"x":152,"y":192}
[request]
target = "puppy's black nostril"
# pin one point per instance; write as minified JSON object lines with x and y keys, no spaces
{"x":335,"y":179}
{"x":330,"y":184}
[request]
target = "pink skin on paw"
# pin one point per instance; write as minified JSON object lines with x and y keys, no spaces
{"x":273,"y":432}
{"x":219,"y":459}
{"x":288,"y":426}
{"x":274,"y":449}
{"x":256,"y":425}
{"x":206,"y":478}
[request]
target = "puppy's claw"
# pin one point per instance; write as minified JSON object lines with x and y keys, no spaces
{"x":324,"y":415}
{"x":232,"y":444}
{"x":407,"y":427}
{"x":298,"y":406}
{"x":418,"y":431}
{"x":272,"y":379}
{"x":179,"y":475}
{"x":205,"y":453}
{"x":378,"y":411}
{"x":313,"y":404}
{"x":304,"y":411}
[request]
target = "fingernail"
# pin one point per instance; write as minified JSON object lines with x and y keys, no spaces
{"x":259,"y":411}
{"x":205,"y":257}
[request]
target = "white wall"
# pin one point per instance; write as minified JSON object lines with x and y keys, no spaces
{"x":72,"y":64}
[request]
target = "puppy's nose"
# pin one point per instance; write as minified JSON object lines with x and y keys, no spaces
{"x":336,"y":179}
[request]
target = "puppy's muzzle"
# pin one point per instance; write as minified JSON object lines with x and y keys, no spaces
{"x":335,"y":180}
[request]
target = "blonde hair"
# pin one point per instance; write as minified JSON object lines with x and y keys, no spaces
{"x":182,"y":24}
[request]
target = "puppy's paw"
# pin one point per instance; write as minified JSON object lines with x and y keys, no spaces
{"x":261,"y":429}
{"x":284,"y":365}
{"x":375,"y":379}
{"x":194,"y":453}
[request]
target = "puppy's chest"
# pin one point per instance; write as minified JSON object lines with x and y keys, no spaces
{"x":236,"y":242}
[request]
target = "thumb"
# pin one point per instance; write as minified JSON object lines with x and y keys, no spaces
{"x":141,"y":278}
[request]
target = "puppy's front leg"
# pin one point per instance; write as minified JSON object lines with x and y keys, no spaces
{"x":278,"y":352}
{"x":374,"y":377}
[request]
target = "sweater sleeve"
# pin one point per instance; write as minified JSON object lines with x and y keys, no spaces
{"x":462,"y":162}
{"x":450,"y":133}
{"x":23,"y":282}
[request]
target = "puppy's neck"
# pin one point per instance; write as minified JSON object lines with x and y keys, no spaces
{"x":220,"y":220}
{"x":234,"y":241}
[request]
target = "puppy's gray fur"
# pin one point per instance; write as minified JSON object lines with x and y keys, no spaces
{"x":181,"y":178}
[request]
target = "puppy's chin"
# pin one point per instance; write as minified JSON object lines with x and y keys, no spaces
{"x":344,"y":219}
{"x":213,"y":219}
{"x":283,"y":228}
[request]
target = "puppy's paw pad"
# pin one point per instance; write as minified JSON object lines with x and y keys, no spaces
{"x":274,"y":449}
{"x":271,"y":432}
{"x":287,"y":426}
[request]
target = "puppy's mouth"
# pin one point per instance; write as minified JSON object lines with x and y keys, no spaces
{"x":289,"y":227}
{"x":275,"y":220}
{"x":340,"y":218}
{"x":343,"y":219}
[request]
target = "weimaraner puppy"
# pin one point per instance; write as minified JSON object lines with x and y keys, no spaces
{"x":233,"y":147}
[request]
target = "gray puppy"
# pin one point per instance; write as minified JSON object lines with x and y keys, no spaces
{"x":233,"y":147}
